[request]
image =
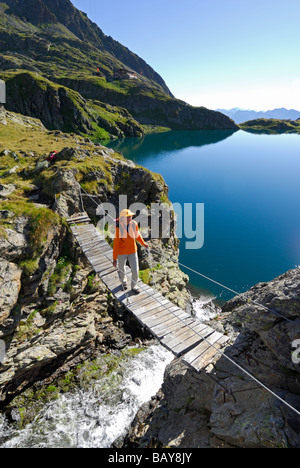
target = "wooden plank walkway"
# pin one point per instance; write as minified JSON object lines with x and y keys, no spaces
{"x":176,"y":330}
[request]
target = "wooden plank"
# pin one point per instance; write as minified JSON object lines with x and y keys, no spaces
{"x":179,"y":322}
{"x":197,"y":328}
{"x":86,"y":244}
{"x":80,"y":230}
{"x":104,"y":255}
{"x":208,"y":356}
{"x":186,"y":346}
{"x":158,"y":302}
{"x":112,"y":276}
{"x":99,"y":257}
{"x":148,"y":309}
{"x":76,"y":222}
{"x":164,"y":328}
{"x":152,"y":293}
{"x":103,"y":273}
{"x":145,"y":314}
{"x":75,"y":218}
{"x":178,"y":313}
{"x":167,"y":321}
{"x":79,"y":220}
{"x":143,"y":300}
{"x":156,"y":324}
{"x":107,"y":255}
{"x":116,"y":288}
{"x":102,"y":252}
{"x":159,"y":316}
{"x":136,"y":309}
{"x":87,"y":237}
{"x":174,"y":311}
{"x":114,"y":285}
{"x":160,"y":313}
{"x":151,"y":309}
{"x":96,"y":243}
{"x":103,"y":245}
{"x":195,"y":354}
{"x":139,"y":298}
{"x":184,"y":333}
{"x":85,"y":225}
{"x":153,"y":322}
{"x":100,"y":266}
{"x":194,"y":339}
{"x":77,"y":230}
{"x":111,"y":279}
{"x":76,"y":227}
{"x":78,"y":216}
{"x":86,"y":229}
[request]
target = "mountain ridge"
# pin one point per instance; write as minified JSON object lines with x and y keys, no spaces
{"x":56,"y":42}
{"x":242,"y":115}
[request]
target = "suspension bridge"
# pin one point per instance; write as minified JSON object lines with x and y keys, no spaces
{"x":179,"y":332}
{"x":185,"y":336}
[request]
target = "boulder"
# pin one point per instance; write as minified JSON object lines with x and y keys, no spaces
{"x":10,"y":285}
{"x":67,"y":191}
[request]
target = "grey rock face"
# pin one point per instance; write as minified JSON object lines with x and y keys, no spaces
{"x":226,"y":405}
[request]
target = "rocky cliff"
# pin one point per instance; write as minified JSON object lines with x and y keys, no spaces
{"x":223,"y":406}
{"x":54,"y":312}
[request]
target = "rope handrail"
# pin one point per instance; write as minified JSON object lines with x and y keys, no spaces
{"x":250,"y":375}
{"x":208,"y":278}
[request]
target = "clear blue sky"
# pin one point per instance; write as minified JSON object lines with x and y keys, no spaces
{"x":212,"y":53}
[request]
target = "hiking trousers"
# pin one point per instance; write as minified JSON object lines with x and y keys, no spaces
{"x":134,"y":266}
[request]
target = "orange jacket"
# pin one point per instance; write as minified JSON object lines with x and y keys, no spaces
{"x":125,"y":239}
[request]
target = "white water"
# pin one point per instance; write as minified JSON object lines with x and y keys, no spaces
{"x":203,"y":310}
{"x":96,"y":418}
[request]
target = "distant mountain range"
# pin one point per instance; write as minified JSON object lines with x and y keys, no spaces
{"x":242,"y":115}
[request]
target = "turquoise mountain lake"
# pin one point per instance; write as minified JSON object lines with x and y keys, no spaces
{"x":249,"y":185}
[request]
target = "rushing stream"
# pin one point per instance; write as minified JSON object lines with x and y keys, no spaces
{"x":99,"y":417}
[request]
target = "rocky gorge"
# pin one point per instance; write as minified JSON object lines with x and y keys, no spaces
{"x":61,"y":330}
{"x":54,"y":312}
{"x":226,"y":405}
{"x":57,"y":318}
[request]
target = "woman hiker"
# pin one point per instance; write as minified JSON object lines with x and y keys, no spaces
{"x":125,"y":248}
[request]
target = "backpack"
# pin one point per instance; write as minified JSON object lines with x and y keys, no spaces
{"x":52,"y":156}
